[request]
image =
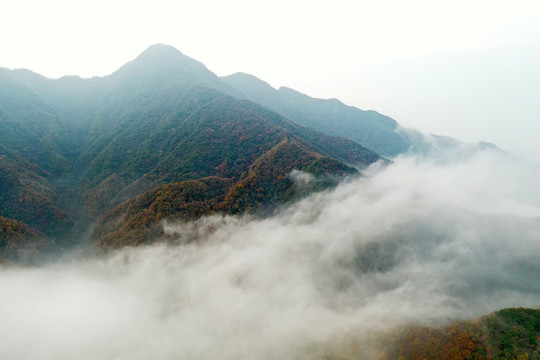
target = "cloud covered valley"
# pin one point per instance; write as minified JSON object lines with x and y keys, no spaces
{"x":415,"y":241}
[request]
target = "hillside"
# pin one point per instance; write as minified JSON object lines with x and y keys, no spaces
{"x":505,"y":334}
{"x":28,"y":194}
{"x":267,"y":182}
{"x":19,"y":242}
{"x":207,"y":133}
{"x":73,"y":149}
{"x":137,"y":221}
{"x":369,"y":128}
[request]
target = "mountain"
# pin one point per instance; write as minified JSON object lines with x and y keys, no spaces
{"x":369,"y":128}
{"x":165,"y":65}
{"x":28,"y":194}
{"x":31,"y":126}
{"x":212,"y":135}
{"x":77,"y":152}
{"x":136,"y":221}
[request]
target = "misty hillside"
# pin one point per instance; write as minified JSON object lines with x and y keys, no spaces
{"x":505,"y":334}
{"x":374,"y":130}
{"x":369,"y":128}
{"x":378,"y":267}
{"x":18,"y":241}
{"x":73,"y":149}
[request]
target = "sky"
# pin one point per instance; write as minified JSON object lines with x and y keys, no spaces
{"x":466,"y":69}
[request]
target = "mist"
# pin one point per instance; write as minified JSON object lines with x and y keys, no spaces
{"x":418,"y":241}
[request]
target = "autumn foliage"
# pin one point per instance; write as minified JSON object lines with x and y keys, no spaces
{"x":506,"y":334}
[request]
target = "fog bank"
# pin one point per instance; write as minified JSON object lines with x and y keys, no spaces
{"x":414,"y":241}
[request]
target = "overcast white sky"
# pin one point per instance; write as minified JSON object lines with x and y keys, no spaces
{"x":464,"y":68}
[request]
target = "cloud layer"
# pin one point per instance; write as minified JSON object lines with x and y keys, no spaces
{"x":414,"y":241}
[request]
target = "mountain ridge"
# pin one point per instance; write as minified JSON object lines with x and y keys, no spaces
{"x":161,"y":118}
{"x":166,"y":118}
{"x":365,"y":127}
{"x":370,"y":128}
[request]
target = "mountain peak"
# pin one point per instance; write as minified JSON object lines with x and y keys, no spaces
{"x":167,"y":57}
{"x":246,"y":77}
{"x":250,"y":83}
{"x":161,"y":51}
{"x":163,"y":64}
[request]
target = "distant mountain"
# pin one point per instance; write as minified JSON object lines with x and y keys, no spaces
{"x":74,"y":149}
{"x":369,"y":128}
{"x":31,"y":126}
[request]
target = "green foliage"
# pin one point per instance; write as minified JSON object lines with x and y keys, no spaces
{"x":268,"y":180}
{"x":205,"y":133}
{"x":506,"y":334}
{"x":514,"y":333}
{"x":26,"y":194}
{"x":266,"y":183}
{"x":32,"y":129}
{"x":73,"y":149}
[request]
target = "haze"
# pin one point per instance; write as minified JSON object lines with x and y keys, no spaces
{"x":466,"y":69}
{"x":416,"y":241}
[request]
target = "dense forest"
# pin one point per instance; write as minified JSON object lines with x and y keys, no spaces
{"x":77,"y":152}
{"x":505,"y":334}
